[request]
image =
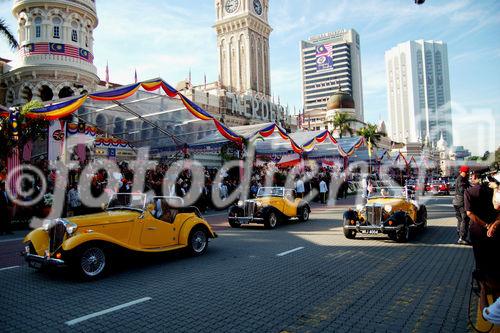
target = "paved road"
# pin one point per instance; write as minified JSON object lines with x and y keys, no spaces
{"x":301,"y":277}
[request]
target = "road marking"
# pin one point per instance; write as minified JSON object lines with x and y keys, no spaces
{"x":288,"y":252}
{"x":103,"y":312}
{"x":11,"y":240}
{"x":6,"y":268}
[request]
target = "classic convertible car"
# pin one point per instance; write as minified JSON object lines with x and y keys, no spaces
{"x":394,"y":215}
{"x":87,"y":243}
{"x":271,"y":205}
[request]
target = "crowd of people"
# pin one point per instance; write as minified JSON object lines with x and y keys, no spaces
{"x":91,"y":173}
{"x":477,"y":208}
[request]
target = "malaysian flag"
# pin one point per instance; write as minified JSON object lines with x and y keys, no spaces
{"x":13,"y":168}
{"x":57,"y":49}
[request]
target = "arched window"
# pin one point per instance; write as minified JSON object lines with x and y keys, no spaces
{"x":74,"y":31}
{"x":66,"y":92}
{"x":38,"y":27}
{"x":56,"y":29}
{"x":46,"y":93}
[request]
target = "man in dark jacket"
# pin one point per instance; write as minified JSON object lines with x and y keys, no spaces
{"x":461,"y":185}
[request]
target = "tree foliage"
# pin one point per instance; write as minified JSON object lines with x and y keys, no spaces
{"x":342,"y":122}
{"x":11,"y":39}
{"x":29,"y":130}
{"x":371,"y":134}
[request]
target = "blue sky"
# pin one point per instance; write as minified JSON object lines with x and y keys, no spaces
{"x":167,"y":38}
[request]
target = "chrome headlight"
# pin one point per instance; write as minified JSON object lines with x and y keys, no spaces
{"x":70,"y":227}
{"x":359,"y":207}
{"x":388,"y":208}
{"x":240,"y":203}
{"x":258,"y":204}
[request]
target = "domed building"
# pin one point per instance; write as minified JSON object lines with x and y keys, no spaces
{"x":55,"y":59}
{"x":341,"y":102}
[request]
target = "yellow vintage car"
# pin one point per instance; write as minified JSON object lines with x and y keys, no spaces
{"x":271,"y":205}
{"x":396,"y":214}
{"x":130,"y":222}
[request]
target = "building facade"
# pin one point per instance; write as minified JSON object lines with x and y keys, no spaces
{"x":418,"y":92}
{"x":243,"y":46}
{"x":55,"y":59}
{"x":328,"y":61}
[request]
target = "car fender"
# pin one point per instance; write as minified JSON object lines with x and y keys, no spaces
{"x":350,"y":215}
{"x":399,"y":217}
{"x":82,"y":238}
{"x":191,"y":223}
{"x":235,"y":209}
{"x":264,"y":213}
{"x":40,"y":240}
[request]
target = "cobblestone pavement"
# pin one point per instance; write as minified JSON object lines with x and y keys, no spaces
{"x":328,"y":284}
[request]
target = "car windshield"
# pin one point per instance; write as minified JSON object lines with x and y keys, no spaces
{"x":270,"y":192}
{"x":390,"y":192}
{"x":127,"y":201}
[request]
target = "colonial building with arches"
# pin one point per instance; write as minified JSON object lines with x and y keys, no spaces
{"x":55,"y":58}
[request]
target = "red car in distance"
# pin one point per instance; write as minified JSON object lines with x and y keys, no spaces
{"x":438,"y":186}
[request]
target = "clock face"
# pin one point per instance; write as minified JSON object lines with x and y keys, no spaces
{"x":231,"y":5}
{"x":257,"y":6}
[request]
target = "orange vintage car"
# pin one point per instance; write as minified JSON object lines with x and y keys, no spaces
{"x":396,"y":214}
{"x":130,"y":222}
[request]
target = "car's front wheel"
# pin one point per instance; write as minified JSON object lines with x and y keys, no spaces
{"x":92,"y":261}
{"x":198,"y":241}
{"x":348,"y":233}
{"x":403,"y":235}
{"x":271,"y":220}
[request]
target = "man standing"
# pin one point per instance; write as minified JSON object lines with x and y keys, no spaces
{"x":299,"y":188}
{"x":461,"y":185}
{"x":484,"y":220}
{"x":74,"y":202}
{"x":5,"y":211}
{"x":322,"y":190}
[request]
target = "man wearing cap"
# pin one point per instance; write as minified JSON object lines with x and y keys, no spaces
{"x":461,"y":185}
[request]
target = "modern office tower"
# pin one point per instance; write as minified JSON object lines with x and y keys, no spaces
{"x":418,"y":92}
{"x":328,"y":61}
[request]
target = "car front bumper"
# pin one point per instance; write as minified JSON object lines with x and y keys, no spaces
{"x":245,"y":219}
{"x":373,"y":229}
{"x":36,"y":261}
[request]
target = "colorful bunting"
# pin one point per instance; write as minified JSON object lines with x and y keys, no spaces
{"x":66,"y":108}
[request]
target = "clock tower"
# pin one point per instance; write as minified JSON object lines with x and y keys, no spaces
{"x":243,"y":31}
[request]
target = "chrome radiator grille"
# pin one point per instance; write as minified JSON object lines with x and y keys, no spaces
{"x":373,"y":215}
{"x":56,"y":236}
{"x":249,"y":208}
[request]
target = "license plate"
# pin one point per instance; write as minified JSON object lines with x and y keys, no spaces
{"x":373,"y":231}
{"x":35,"y":264}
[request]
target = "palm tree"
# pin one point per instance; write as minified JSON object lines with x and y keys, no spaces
{"x":370,"y":133}
{"x":4,"y":30}
{"x":342,"y":122}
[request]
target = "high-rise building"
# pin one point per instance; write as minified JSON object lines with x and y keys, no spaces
{"x":418,"y":92}
{"x":328,"y":61}
{"x":243,"y":45}
{"x":55,"y":59}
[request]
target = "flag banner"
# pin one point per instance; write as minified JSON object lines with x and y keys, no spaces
{"x":324,"y":59}
{"x":13,"y":170}
{"x":56,"y":140}
{"x":56,"y":49}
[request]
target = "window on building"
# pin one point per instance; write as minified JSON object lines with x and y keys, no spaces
{"x":56,"y":30}
{"x":38,"y":27}
{"x":74,"y":32}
